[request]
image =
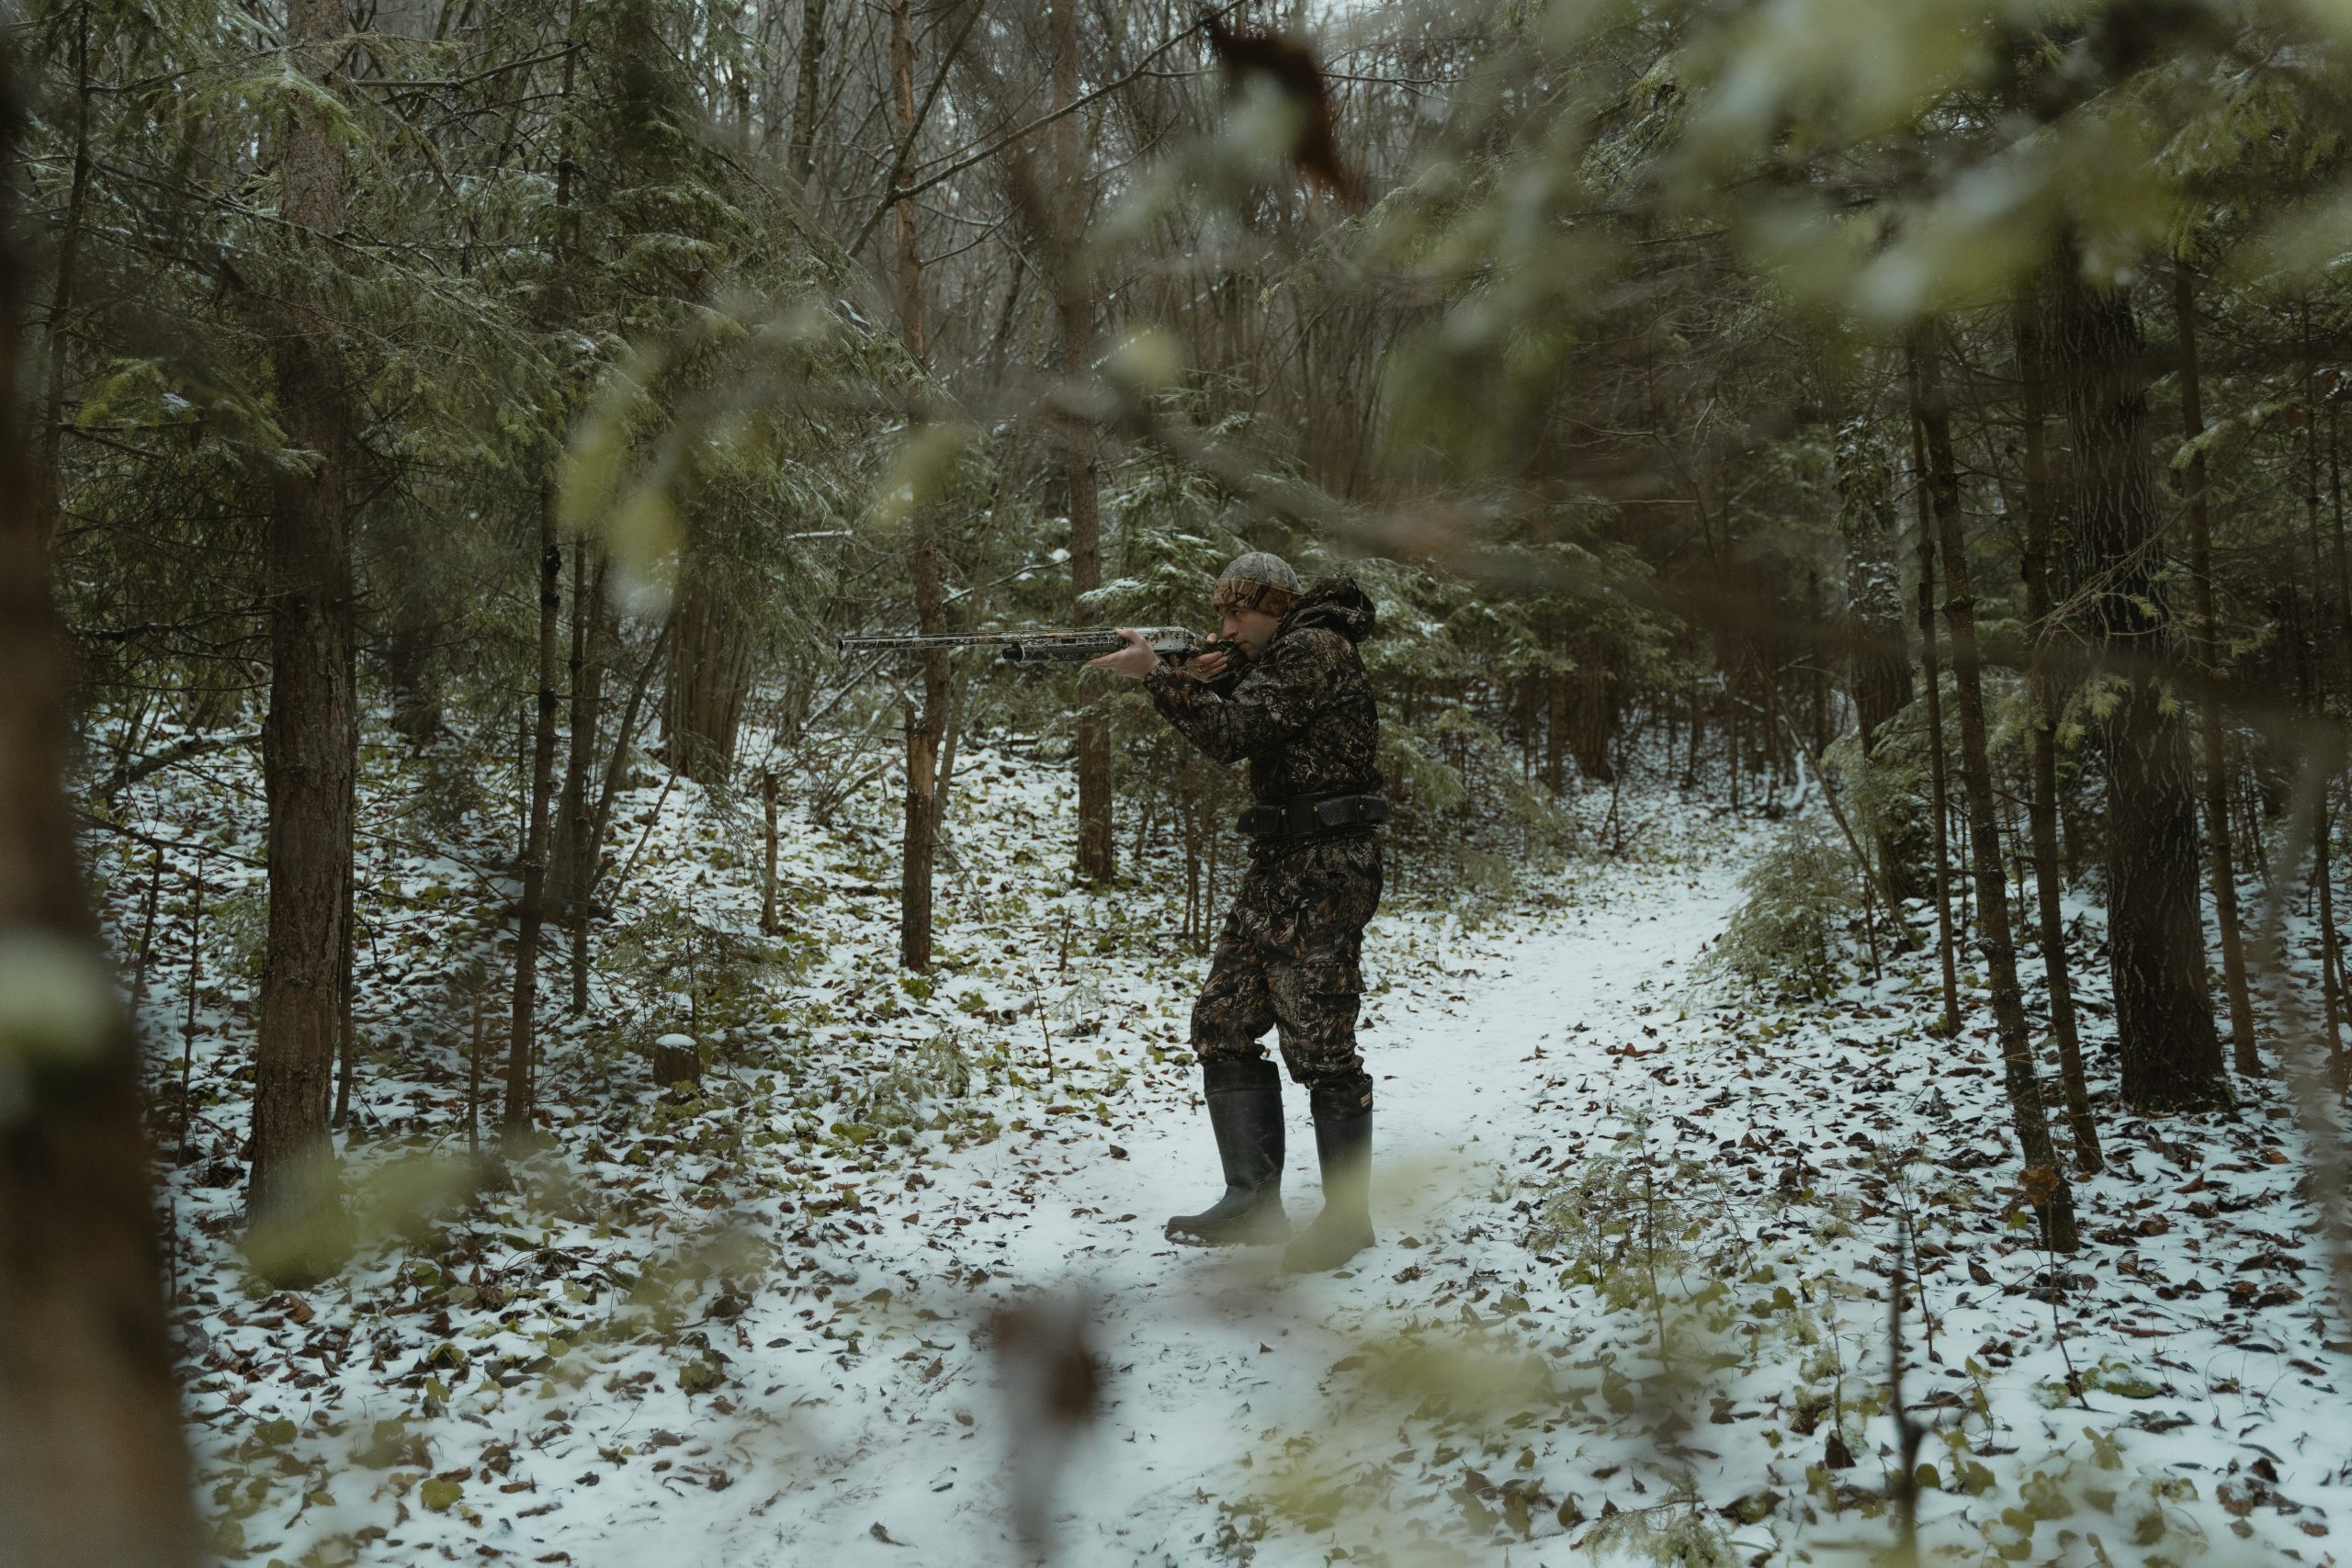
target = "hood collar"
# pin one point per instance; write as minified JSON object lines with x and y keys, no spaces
{"x":1334,"y":604}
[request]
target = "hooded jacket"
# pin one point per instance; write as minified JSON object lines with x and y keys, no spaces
{"x":1302,"y":714}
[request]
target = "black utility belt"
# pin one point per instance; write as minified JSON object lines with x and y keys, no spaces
{"x":1313,"y":815}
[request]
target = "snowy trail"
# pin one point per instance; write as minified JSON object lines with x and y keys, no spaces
{"x":900,"y":1455}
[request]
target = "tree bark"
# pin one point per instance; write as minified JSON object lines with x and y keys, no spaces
{"x":347,"y":1028}
{"x":531,"y":916}
{"x":309,"y":737}
{"x":927,"y":725}
{"x":1938,"y":795}
{"x":1556,"y":711}
{"x":702,"y":708}
{"x":2210,"y":736}
{"x":1096,"y":853}
{"x":47,"y":486}
{"x":1593,"y":721}
{"x":925,"y":732}
{"x":1879,"y":672}
{"x":2330,"y":966}
{"x":408,"y":653}
{"x":2045,"y":1181}
{"x":93,"y":1470}
{"x":2172,"y":1054}
{"x":912,"y":327}
{"x":568,"y":860}
{"x":767,"y":852}
{"x":801,"y":160}
{"x":2042,"y":692}
{"x":592,"y":848}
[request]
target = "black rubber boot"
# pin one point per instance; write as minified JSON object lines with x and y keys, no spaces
{"x":1245,"y":1101}
{"x":1343,"y":1143}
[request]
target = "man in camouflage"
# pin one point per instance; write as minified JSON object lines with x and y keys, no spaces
{"x":1297,"y":706}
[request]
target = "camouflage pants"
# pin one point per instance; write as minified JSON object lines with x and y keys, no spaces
{"x":1290,"y":958}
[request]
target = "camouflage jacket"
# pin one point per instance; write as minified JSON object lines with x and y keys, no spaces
{"x":1301,"y":713}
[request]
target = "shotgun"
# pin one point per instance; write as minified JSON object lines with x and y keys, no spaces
{"x":1174,"y":643}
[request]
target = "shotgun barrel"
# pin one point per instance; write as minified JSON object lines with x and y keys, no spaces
{"x":1042,"y":647}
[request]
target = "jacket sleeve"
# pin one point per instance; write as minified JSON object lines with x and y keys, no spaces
{"x":1270,"y":704}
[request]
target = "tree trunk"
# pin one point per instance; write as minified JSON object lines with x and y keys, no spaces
{"x":1880,"y":669}
{"x":309,"y":737}
{"x":950,"y":730}
{"x":1733,"y":753}
{"x":347,"y":1028}
{"x":2330,"y":966}
{"x":912,"y":326}
{"x":2172,"y":1055}
{"x":2216,"y":755}
{"x":2041,"y":810}
{"x":926,"y":727}
{"x":1556,"y":708}
{"x":702,"y":706}
{"x":2045,"y":1181}
{"x":767,"y":852}
{"x":530,"y":919}
{"x":94,"y":1471}
{"x":926,"y":730}
{"x":568,"y":853}
{"x":521,"y":1025}
{"x":592,"y":848}
{"x":1096,"y":854}
{"x":48,"y":487}
{"x":1592,"y":724}
{"x":802,"y":161}
{"x":409,"y":654}
{"x":1698,"y":735}
{"x":1938,"y":794}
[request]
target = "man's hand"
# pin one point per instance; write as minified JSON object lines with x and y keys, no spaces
{"x":1205,"y":666}
{"x":1135,"y":661}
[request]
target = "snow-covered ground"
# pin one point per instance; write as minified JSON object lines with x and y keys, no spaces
{"x":894,"y":1290}
{"x":1205,"y":1355}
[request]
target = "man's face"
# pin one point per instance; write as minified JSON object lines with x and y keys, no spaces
{"x":1253,"y":629}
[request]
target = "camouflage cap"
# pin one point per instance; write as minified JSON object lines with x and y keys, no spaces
{"x":1256,"y":581}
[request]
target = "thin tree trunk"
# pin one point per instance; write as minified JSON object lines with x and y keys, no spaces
{"x":1879,"y":672}
{"x":2216,"y":756}
{"x":1937,"y":790}
{"x":767,"y":856}
{"x":912,"y":326}
{"x":49,"y":439}
{"x":1698,"y":734}
{"x":2172,"y":1054}
{"x":926,"y":726}
{"x":410,"y":657}
{"x":802,"y":161}
{"x":591,"y":849}
{"x":925,"y":729}
{"x":346,"y":1026}
{"x":952,"y":731}
{"x":2045,"y":1181}
{"x":309,"y":737}
{"x":1096,"y":851}
{"x":2329,"y":964}
{"x":1820,"y":672}
{"x":531,"y":917}
{"x":516,"y":1115}
{"x":567,"y":857}
{"x":93,"y":1470}
{"x":1555,"y":726}
{"x":1592,"y":725}
{"x":2041,"y":810}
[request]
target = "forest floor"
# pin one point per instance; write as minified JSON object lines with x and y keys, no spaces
{"x":891,"y":1287}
